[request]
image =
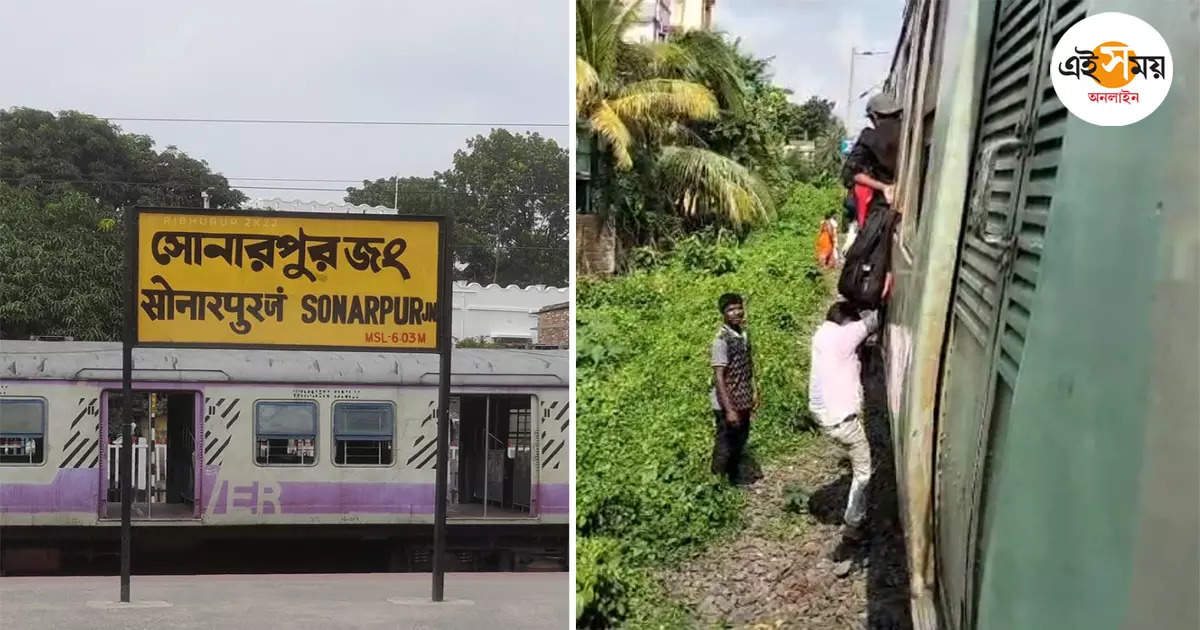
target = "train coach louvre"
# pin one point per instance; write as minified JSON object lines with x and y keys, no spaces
{"x":227,"y":389}
{"x":1040,"y":346}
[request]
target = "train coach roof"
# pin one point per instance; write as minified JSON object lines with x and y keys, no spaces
{"x":69,"y":360}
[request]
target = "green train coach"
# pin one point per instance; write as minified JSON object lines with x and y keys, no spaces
{"x":1042,"y":346}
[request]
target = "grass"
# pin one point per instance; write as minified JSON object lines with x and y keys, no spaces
{"x":645,"y":496}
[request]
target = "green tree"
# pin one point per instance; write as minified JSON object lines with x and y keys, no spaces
{"x":815,"y":118}
{"x":512,"y":204}
{"x":411,"y":195}
{"x":75,"y":151}
{"x":60,"y":258}
{"x":825,"y":167}
{"x":758,"y":136}
{"x":509,"y":196}
{"x":639,"y":98}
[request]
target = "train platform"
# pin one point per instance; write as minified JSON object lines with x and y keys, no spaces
{"x":376,"y":600}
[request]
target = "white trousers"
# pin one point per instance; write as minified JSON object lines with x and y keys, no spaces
{"x":851,"y":435}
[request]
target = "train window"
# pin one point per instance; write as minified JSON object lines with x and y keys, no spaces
{"x":934,"y":73}
{"x":926,"y":92}
{"x":363,"y":433}
{"x":926,"y":148}
{"x":285,"y":433}
{"x":22,"y":431}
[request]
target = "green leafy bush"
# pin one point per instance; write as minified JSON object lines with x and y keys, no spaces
{"x":60,"y":266}
{"x":645,"y":258}
{"x":602,"y":583}
{"x":645,"y":428}
{"x":699,"y":255}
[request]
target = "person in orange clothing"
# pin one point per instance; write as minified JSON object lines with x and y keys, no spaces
{"x":827,"y":250}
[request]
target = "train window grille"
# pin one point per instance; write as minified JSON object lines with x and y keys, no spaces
{"x":22,"y":431}
{"x":285,"y":433}
{"x":520,"y":435}
{"x":363,"y":434}
{"x":520,"y":419}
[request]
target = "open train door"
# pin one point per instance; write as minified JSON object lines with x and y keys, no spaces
{"x":165,"y":455}
{"x":491,"y":472}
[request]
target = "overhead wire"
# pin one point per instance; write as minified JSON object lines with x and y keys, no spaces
{"x":293,"y":179}
{"x":423,"y":193}
{"x":278,"y":121}
{"x":412,"y":191}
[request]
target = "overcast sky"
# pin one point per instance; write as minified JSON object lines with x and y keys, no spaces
{"x":811,"y":40}
{"x":450,"y":61}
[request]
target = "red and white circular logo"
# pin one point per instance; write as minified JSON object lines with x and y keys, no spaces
{"x":1111,"y":69}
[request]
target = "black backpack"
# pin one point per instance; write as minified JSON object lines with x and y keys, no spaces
{"x":867,"y":261}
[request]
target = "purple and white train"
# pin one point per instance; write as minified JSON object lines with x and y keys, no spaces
{"x":240,"y":438}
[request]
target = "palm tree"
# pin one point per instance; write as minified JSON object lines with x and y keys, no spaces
{"x":644,"y":96}
{"x":706,"y":183}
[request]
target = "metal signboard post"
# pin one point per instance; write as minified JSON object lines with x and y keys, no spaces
{"x":125,"y":463}
{"x":445,"y":297}
{"x":288,"y":281}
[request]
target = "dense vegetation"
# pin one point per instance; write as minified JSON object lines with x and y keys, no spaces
{"x":642,"y":103}
{"x":63,"y":181}
{"x":697,"y":172}
{"x":73,"y":151}
{"x":60,"y":261}
{"x":690,"y":133}
{"x":644,"y":491}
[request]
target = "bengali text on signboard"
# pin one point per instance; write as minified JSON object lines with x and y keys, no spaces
{"x":229,"y":278}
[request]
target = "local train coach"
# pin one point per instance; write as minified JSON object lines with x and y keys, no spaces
{"x":249,"y":438}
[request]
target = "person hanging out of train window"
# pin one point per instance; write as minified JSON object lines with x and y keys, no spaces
{"x":835,"y":399}
{"x":734,"y":395}
{"x":870,"y":169}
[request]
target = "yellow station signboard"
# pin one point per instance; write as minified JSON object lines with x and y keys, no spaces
{"x":228,"y":278}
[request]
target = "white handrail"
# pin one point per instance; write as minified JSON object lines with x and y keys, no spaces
{"x":141,"y":465}
{"x":159,"y":466}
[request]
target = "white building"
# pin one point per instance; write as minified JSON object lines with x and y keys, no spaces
{"x":804,"y":148}
{"x":504,"y":314}
{"x":662,"y":17}
{"x":691,"y":15}
{"x":655,"y":22}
